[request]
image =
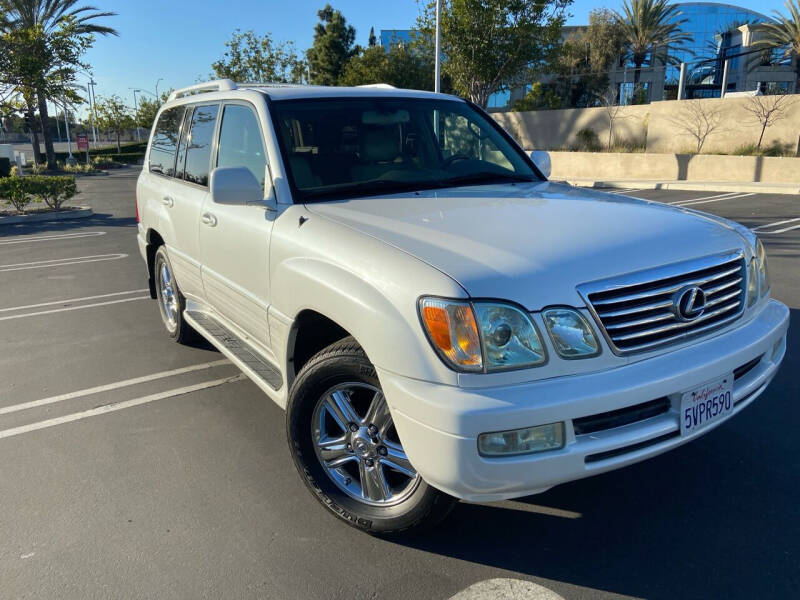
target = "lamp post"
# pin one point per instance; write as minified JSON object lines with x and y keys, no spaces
{"x":437,"y":60}
{"x":90,"y":87}
{"x":136,"y":113}
{"x":160,"y":79}
{"x":70,"y":159}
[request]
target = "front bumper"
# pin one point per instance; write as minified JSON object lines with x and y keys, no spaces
{"x":439,"y":424}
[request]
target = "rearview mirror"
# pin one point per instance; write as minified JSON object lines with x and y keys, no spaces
{"x":235,"y":186}
{"x":542,"y":161}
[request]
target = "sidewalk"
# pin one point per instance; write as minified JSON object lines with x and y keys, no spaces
{"x":699,"y":186}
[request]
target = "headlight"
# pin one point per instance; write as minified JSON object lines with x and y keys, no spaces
{"x":571,"y":334}
{"x":509,"y":337}
{"x":752,"y":283}
{"x":501,"y":337}
{"x":763,"y":273}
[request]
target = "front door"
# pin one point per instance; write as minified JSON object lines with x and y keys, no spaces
{"x":234,"y":240}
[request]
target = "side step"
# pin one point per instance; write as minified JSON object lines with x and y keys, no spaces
{"x":236,"y":349}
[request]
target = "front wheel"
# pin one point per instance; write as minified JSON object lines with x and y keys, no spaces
{"x":346,"y":448}
{"x":171,"y":302}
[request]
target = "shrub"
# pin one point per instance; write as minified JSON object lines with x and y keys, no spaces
{"x":54,"y":191}
{"x":16,"y":191}
{"x":5,"y":167}
{"x":588,"y":140}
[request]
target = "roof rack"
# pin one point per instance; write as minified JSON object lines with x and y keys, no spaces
{"x":220,"y":85}
{"x":383,"y":86}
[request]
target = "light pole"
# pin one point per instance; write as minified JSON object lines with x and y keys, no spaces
{"x":160,"y":79}
{"x":438,"y":59}
{"x":90,"y":88}
{"x":136,"y":113}
{"x":70,"y":159}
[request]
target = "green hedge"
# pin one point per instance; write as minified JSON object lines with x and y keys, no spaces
{"x":134,"y":148}
{"x":53,"y":191}
{"x":125,"y":158}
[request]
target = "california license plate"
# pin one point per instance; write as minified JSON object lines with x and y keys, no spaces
{"x":706,"y":404}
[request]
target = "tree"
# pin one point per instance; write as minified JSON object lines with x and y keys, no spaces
{"x":403,"y":65}
{"x":650,"y":28}
{"x":373,"y":41}
{"x":249,"y":57}
{"x":613,"y":112}
{"x":148,"y":109}
{"x":333,"y":47}
{"x":51,"y":16}
{"x":768,"y":110}
{"x":698,"y":119}
{"x":113,"y":115}
{"x":538,"y":98}
{"x":783,"y":36}
{"x":492,"y":44}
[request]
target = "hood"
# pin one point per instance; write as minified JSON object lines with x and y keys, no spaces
{"x":533,"y":243}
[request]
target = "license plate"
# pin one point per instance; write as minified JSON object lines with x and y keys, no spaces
{"x":706,"y":404}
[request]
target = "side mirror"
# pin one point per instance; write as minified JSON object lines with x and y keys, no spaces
{"x":542,"y":161}
{"x":235,"y":186}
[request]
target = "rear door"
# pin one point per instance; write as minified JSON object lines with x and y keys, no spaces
{"x":234,"y":240}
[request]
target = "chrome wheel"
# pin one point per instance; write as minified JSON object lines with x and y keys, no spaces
{"x":167,"y":293}
{"x":357,"y":444}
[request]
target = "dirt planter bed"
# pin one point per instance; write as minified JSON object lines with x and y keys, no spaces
{"x":64,"y":214}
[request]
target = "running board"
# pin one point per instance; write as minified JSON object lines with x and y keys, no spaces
{"x":236,"y":349}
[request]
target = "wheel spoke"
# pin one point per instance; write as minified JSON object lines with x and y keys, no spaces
{"x":396,"y":459}
{"x":378,"y":413}
{"x":333,"y":449}
{"x":373,"y":483}
{"x":346,"y":412}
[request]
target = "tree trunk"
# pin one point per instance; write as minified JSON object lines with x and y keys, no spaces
{"x":761,"y":137}
{"x":46,"y":134}
{"x":119,"y":148}
{"x":34,"y":136}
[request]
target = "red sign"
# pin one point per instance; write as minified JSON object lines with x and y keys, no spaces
{"x":83,"y":142}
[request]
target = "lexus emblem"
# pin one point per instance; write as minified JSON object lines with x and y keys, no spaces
{"x":689,"y":303}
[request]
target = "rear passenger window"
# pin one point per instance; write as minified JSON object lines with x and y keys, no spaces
{"x":198,"y":156}
{"x":240,"y":142}
{"x":165,"y":141}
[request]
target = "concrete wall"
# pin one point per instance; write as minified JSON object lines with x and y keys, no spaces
{"x":611,"y":166}
{"x":658,"y":123}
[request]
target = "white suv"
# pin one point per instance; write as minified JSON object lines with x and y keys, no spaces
{"x":438,"y":319}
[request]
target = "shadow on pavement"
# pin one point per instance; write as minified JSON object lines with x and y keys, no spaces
{"x":717,"y":518}
{"x":96,"y":220}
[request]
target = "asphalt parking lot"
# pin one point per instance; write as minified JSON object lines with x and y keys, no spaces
{"x":134,"y":467}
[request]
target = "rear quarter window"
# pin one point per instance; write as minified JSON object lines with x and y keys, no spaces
{"x":165,"y":141}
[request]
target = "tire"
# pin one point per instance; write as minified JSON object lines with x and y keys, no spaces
{"x":171,"y":302}
{"x":334,"y":461}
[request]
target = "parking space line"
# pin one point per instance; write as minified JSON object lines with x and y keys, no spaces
{"x":4,"y":410}
{"x":70,"y":308}
{"x":775,"y":224}
{"x":54,"y":302}
{"x":703,"y":198}
{"x":781,"y":230}
{"x":712,"y":199}
{"x":47,"y":238}
{"x":60,"y":262}
{"x":108,"y":408}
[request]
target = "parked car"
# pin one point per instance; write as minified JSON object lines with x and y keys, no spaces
{"x":438,"y":319}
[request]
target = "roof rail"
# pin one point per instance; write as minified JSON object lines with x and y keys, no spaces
{"x":220,"y":85}
{"x":383,"y":86}
{"x":270,"y":84}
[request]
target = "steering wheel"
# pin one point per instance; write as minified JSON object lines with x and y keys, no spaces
{"x":449,"y":161}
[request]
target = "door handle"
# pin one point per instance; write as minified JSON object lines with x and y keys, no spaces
{"x":168,"y":201}
{"x":209,"y":219}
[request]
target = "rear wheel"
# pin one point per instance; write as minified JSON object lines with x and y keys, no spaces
{"x":171,"y":302}
{"x":346,"y":448}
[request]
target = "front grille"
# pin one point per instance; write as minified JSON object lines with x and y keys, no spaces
{"x":620,"y":417}
{"x":639,"y":312}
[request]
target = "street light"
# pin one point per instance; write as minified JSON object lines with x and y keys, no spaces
{"x":438,"y":59}
{"x":136,"y":113}
{"x":160,"y":79}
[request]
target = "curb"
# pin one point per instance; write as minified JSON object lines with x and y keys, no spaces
{"x":77,"y":212}
{"x":694,"y":186}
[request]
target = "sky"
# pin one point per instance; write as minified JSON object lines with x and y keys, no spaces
{"x":175,"y":41}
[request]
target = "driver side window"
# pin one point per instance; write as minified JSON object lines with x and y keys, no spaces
{"x":461,"y":138}
{"x":240,"y":143}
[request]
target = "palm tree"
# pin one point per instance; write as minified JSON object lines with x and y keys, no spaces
{"x":784,"y":35}
{"x":650,"y":26}
{"x":49,"y":15}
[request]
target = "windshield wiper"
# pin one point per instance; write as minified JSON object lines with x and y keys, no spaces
{"x":378,"y":186}
{"x":485,"y":177}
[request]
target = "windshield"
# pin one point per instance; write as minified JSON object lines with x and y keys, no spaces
{"x":359,"y":146}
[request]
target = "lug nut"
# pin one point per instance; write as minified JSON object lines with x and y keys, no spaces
{"x":349,"y":447}
{"x":353,"y":427}
{"x":369,"y":462}
{"x":347,"y":481}
{"x":372,"y":430}
{"x":383,"y":451}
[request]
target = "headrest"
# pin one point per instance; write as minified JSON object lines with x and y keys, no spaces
{"x":379,"y":144}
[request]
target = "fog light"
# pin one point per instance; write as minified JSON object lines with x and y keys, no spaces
{"x":522,"y":441}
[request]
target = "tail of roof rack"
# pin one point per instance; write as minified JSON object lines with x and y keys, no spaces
{"x":226,"y":85}
{"x":383,"y":86}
